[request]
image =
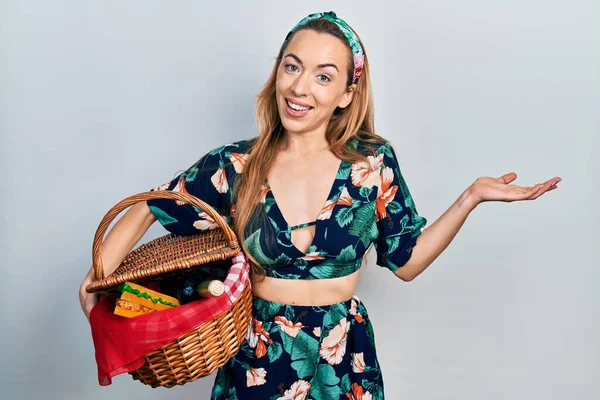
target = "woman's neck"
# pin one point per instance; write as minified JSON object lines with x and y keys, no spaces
{"x":304,"y":143}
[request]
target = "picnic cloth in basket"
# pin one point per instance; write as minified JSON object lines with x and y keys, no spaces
{"x":121,"y":343}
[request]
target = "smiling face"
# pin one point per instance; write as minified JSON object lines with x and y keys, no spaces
{"x":312,"y":81}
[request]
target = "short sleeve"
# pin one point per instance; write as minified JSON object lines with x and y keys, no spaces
{"x":207,"y":180}
{"x":398,"y":222}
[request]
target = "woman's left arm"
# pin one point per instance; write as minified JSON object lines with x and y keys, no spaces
{"x":434,"y":240}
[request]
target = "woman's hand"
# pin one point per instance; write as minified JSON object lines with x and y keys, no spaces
{"x":498,"y":189}
{"x":87,"y":300}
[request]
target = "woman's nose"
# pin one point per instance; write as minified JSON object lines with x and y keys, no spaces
{"x":301,"y":85}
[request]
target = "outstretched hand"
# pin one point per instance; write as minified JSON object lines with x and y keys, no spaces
{"x":498,"y":189}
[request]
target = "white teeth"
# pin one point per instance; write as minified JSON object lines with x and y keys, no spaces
{"x":297,"y":107}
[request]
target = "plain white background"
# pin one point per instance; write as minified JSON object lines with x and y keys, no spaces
{"x":101,"y":100}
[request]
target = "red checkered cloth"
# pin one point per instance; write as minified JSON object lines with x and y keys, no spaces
{"x":121,"y":343}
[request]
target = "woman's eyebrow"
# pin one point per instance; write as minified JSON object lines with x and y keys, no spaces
{"x":299,"y":61}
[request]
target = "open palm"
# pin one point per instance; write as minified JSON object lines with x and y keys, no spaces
{"x":499,"y":189}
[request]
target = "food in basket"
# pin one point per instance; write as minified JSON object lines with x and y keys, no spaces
{"x":196,"y":283}
{"x":191,"y":289}
{"x":137,"y":300}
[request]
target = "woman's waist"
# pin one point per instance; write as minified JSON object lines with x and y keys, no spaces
{"x":308,"y":292}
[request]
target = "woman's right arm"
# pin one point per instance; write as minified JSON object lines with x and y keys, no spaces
{"x":121,"y":239}
{"x":206,"y":179}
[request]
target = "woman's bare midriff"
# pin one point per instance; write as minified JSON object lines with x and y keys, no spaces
{"x":306,"y":292}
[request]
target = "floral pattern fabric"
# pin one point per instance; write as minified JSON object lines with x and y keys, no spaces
{"x":301,"y":352}
{"x":304,"y":352}
{"x":369,"y":204}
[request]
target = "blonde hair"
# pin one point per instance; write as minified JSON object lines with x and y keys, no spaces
{"x":356,"y":121}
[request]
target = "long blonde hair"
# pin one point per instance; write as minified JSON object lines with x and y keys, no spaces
{"x":356,"y":121}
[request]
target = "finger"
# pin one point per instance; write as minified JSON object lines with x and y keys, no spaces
{"x":533,"y":188}
{"x":546,"y":188}
{"x":507,"y":178}
{"x":541,"y":188}
{"x":553,"y":181}
{"x":551,"y":184}
{"x":521,"y":193}
{"x":537,"y":194}
{"x":546,"y":184}
{"x":536,"y":191}
{"x":552,"y":187}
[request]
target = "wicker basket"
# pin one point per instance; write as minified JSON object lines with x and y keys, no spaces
{"x":206,"y":348}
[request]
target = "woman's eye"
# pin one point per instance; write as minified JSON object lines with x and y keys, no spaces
{"x":291,"y":67}
{"x":324,"y":78}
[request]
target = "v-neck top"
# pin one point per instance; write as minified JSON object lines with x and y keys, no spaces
{"x":368,"y":204}
{"x":341,"y":164}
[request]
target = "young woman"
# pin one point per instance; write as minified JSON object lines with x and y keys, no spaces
{"x":309,"y":197}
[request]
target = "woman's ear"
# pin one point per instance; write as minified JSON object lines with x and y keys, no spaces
{"x":347,"y":96}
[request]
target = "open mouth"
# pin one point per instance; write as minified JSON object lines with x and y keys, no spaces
{"x":299,"y":108}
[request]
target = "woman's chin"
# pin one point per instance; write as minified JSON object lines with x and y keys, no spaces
{"x":293,"y":126}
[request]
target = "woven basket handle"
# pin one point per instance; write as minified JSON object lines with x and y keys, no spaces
{"x":159,"y":194}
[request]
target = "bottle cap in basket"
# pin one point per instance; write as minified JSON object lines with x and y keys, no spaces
{"x":211,"y":288}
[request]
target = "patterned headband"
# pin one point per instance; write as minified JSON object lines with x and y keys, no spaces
{"x":357,"y":51}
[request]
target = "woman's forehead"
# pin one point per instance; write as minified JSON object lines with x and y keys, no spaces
{"x":317,"y":48}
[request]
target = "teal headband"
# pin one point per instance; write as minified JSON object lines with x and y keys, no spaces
{"x":357,"y":51}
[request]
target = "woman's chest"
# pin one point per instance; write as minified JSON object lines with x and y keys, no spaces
{"x":343,"y":227}
{"x":302,"y":187}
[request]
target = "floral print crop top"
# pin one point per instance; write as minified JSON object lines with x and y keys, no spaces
{"x":369,"y":203}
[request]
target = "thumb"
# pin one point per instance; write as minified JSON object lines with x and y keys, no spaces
{"x":507,"y":178}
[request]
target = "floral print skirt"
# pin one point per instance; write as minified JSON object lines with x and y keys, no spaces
{"x":304,"y":352}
